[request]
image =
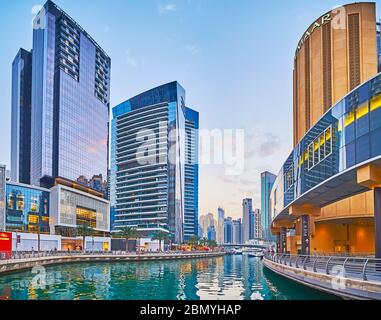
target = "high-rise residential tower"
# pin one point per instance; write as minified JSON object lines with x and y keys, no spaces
{"x":21,"y":116}
{"x":191,"y":173}
{"x":237,"y":231}
{"x":247,"y":210}
{"x":148,"y":162}
{"x":220,"y":225}
{"x":70,"y":100}
{"x":267,"y":182}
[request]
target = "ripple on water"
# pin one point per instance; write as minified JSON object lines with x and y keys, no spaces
{"x":229,"y":277}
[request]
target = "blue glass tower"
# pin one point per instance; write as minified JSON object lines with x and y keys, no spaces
{"x":70,"y":100}
{"x":148,"y":162}
{"x":267,"y":182}
{"x":191,"y":173}
{"x":21,"y":116}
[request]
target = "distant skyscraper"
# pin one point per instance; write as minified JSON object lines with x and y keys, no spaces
{"x":237,"y":231}
{"x":257,"y":224}
{"x":228,"y":230}
{"x":21,"y":116}
{"x":212,"y":233}
{"x":191,"y":173}
{"x":247,"y":210}
{"x":205,"y":221}
{"x":2,"y":197}
{"x":147,"y":162}
{"x":267,"y":182}
{"x":220,"y":225}
{"x":70,"y":100}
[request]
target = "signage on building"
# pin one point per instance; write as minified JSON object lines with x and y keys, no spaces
{"x":6,"y":242}
{"x":318,"y":24}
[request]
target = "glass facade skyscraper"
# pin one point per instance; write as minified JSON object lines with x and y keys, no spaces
{"x":267,"y":182}
{"x":70,"y":100}
{"x":191,"y":173}
{"x":247,"y":216}
{"x":21,"y":116}
{"x":2,"y":196}
{"x":147,"y":177}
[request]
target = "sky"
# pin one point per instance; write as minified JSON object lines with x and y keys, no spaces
{"x":233,"y":57}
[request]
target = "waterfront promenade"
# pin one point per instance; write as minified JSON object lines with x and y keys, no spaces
{"x":27,"y":261}
{"x":347,"y":277}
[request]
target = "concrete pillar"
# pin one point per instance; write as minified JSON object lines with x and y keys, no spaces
{"x":283,"y":239}
{"x":278,"y":246}
{"x":306,"y":235}
{"x":377,"y":221}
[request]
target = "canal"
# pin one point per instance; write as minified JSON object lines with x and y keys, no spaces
{"x":235,"y":277}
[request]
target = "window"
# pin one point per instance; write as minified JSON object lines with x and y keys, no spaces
{"x":289,"y":177}
{"x":320,"y":148}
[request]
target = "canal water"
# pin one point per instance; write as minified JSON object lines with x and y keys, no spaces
{"x":235,"y":277}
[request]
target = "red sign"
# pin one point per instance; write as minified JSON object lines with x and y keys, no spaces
{"x":5,"y":242}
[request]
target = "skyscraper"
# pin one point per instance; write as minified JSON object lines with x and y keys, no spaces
{"x":267,"y":182}
{"x":247,"y":210}
{"x":205,"y":221}
{"x":228,"y":230}
{"x":70,"y":100}
{"x":220,"y":225}
{"x":2,"y":196}
{"x":257,"y":229}
{"x":237,"y":231}
{"x":147,"y":162}
{"x":21,"y":116}
{"x":211,"y":233}
{"x":191,"y":173}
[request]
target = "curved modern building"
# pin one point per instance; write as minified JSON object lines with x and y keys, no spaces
{"x":327,"y":196}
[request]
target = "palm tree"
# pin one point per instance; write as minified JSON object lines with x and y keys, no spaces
{"x":194,"y":241}
{"x":212,"y":243}
{"x":84,"y":230}
{"x":161,"y":236}
{"x":127,"y":233}
{"x":204,"y":241}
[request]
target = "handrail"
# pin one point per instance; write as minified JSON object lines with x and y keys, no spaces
{"x":355,"y":267}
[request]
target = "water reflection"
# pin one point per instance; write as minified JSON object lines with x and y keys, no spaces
{"x":231,"y":277}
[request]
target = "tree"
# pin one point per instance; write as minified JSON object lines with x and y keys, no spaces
{"x":212,"y":243}
{"x":204,"y":241}
{"x":128,"y":233}
{"x":194,"y":241}
{"x":161,"y":236}
{"x":84,"y":230}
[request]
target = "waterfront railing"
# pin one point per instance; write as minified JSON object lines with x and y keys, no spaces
{"x":351,"y":267}
{"x":31,"y":255}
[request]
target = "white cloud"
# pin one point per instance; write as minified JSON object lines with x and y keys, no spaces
{"x":165,"y":8}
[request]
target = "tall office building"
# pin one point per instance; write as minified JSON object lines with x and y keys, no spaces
{"x":70,"y":100}
{"x":205,"y":221}
{"x":237,"y":231}
{"x":220,"y":225}
{"x":267,"y":182}
{"x":148,"y":162}
{"x":2,"y":196}
{"x":257,"y":229}
{"x":212,"y":233}
{"x":247,"y":210}
{"x":228,"y":230}
{"x":21,"y":116}
{"x":191,"y":173}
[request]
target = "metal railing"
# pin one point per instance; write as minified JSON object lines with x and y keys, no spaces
{"x":32,"y":255}
{"x":351,"y":267}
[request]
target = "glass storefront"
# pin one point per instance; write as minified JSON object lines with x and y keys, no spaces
{"x":27,"y":208}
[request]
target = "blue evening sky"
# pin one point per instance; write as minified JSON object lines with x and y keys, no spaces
{"x":233,"y":57}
